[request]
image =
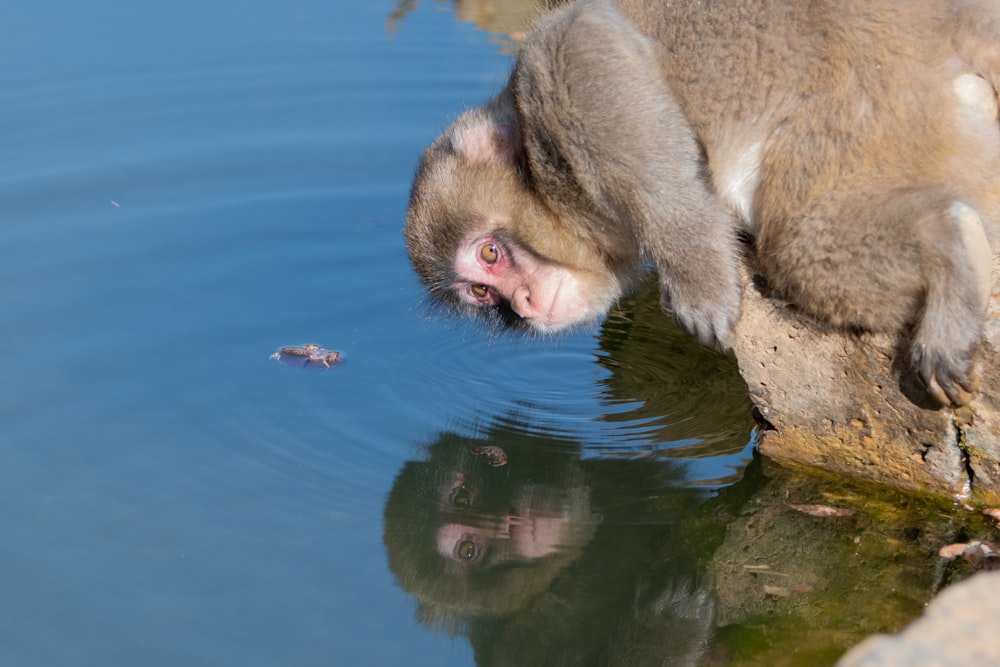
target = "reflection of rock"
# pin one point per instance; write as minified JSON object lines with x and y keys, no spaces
{"x":549,"y":559}
{"x":849,"y":404}
{"x":812,"y":564}
{"x":958,"y":628}
{"x":510,"y":17}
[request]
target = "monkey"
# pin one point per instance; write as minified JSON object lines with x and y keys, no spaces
{"x":855,"y":142}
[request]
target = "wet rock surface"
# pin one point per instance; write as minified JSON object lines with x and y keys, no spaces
{"x":958,"y":628}
{"x":849,"y":403}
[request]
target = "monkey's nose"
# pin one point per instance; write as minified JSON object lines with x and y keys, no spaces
{"x":521,"y":303}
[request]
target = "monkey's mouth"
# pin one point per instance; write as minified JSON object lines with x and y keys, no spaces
{"x":561,"y":311}
{"x":551,"y":320}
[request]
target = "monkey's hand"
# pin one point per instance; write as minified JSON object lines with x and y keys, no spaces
{"x":706,"y":304}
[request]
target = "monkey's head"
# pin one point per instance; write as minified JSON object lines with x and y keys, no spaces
{"x":470,"y":540}
{"x":484,"y":243}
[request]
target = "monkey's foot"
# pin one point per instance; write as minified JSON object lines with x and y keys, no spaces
{"x":954,"y":393}
{"x":949,"y":381}
{"x":958,"y":290}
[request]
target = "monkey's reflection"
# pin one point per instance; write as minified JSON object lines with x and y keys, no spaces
{"x":548,"y":558}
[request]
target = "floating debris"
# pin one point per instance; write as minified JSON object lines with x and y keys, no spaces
{"x":955,"y":550}
{"x":757,"y":568}
{"x":980,"y":554}
{"x":822,"y":510}
{"x":308,"y":356}
{"x":975,"y":548}
{"x":777,"y":591}
{"x":494,"y":455}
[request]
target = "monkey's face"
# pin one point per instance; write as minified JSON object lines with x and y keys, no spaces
{"x":527,"y":524}
{"x":483,"y":240}
{"x":492,"y":271}
{"x":484,"y":244}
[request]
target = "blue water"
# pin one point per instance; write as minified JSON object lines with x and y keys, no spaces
{"x":184,"y":188}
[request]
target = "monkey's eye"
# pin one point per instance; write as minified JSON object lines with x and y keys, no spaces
{"x":466,"y":550}
{"x":489,"y":253}
{"x":479,"y":291}
{"x":461,"y":497}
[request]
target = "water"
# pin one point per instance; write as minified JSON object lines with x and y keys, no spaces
{"x":187,"y":187}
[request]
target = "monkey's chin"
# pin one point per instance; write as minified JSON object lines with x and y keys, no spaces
{"x":552,"y":328}
{"x":568,"y":313}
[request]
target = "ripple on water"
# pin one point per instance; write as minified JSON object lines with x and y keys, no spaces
{"x":565,"y":388}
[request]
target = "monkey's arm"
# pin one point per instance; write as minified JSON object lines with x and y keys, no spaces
{"x":596,"y":109}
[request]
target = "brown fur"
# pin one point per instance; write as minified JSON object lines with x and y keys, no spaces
{"x":830,"y":130}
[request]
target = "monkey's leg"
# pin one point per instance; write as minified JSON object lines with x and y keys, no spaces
{"x":889,"y":261}
{"x":957,"y":262}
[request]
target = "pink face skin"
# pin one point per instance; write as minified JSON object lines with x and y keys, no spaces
{"x":474,"y":538}
{"x":548,"y":296}
{"x":521,"y":537}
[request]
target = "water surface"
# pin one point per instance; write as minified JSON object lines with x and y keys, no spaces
{"x":187,"y":187}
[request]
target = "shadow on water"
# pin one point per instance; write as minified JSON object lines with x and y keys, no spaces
{"x":691,"y":399}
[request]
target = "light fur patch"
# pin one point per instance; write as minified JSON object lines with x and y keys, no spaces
{"x":977,"y":247}
{"x":976,"y":96}
{"x":736,"y":175}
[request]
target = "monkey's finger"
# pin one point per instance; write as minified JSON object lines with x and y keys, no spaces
{"x":711,"y":326}
{"x":951,"y":392}
{"x":936,"y":392}
{"x":959,"y":395}
{"x":718,"y":330}
{"x":962,"y":392}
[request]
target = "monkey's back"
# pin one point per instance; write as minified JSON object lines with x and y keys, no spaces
{"x":864,"y":89}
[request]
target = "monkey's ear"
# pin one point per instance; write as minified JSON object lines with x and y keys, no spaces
{"x":485,"y":141}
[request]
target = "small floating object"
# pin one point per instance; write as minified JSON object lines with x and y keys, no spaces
{"x":822,"y":510}
{"x":495,"y":456}
{"x":777,"y":591}
{"x":952,"y":551}
{"x":308,"y":356}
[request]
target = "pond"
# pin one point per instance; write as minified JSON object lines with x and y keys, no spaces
{"x":187,"y":188}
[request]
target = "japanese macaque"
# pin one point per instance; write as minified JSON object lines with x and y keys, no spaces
{"x":855,"y":141}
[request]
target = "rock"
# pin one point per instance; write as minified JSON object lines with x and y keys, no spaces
{"x":849,"y":403}
{"x":958,"y":628}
